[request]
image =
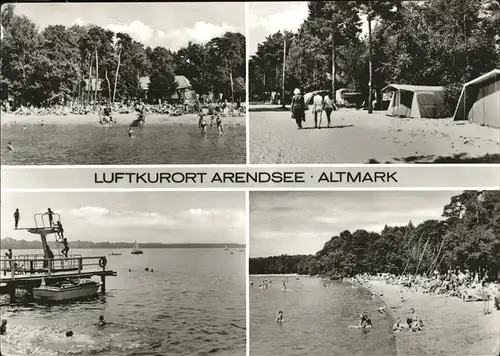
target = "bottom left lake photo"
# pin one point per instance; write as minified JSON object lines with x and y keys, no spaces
{"x":123,"y":273}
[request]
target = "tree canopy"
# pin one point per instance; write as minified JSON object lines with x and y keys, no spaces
{"x":438,"y":42}
{"x":467,"y":237}
{"x":42,"y":67}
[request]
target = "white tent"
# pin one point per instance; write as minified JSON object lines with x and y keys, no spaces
{"x":308,"y":97}
{"x":480,"y":100}
{"x":416,"y":101}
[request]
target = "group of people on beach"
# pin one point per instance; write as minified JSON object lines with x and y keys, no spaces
{"x":321,"y":103}
{"x":462,"y":285}
{"x":413,"y":323}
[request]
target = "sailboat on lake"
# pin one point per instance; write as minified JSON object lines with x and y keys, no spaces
{"x":136,"y":250}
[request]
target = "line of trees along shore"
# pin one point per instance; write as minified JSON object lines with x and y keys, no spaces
{"x":466,"y":238}
{"x":430,"y":42}
{"x":41,"y":67}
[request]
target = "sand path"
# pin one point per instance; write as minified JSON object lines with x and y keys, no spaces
{"x":358,"y":137}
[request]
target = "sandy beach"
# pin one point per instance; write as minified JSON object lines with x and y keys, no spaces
{"x":452,"y":327}
{"x":122,"y":119}
{"x":358,"y":137}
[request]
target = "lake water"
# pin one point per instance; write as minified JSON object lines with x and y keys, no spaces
{"x":317,"y":319}
{"x":192,"y":304}
{"x":87,"y":144}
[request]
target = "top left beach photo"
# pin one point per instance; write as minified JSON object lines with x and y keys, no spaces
{"x":123,"y":83}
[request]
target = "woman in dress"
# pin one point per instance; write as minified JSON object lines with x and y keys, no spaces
{"x":298,"y":108}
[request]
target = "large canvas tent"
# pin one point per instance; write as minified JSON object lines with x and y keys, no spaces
{"x":416,"y":101}
{"x":480,"y":100}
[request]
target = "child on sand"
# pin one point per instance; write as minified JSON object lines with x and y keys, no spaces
{"x":397,"y":326}
{"x":418,"y":325}
{"x":365,"y":321}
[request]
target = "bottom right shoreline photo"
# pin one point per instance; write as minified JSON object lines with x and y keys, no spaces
{"x":374,"y":273}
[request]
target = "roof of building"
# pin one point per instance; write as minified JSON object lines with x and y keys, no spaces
{"x":182,"y":82}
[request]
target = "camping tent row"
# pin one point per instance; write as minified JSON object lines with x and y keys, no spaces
{"x":416,"y":101}
{"x":479,"y":101}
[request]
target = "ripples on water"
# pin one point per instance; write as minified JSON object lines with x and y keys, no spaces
{"x":317,"y":320}
{"x":192,"y":304}
{"x":93,"y":144}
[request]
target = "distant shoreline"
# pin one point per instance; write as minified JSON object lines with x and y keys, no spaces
{"x":144,"y":246}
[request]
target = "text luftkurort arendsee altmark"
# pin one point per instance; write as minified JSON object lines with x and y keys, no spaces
{"x":276,"y":177}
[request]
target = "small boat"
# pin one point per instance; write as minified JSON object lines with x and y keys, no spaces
{"x":67,"y":290}
{"x":115,"y":254}
{"x":226,"y":249}
{"x":136,"y":250}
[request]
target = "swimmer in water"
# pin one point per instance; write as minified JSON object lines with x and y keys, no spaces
{"x":101,"y":322}
{"x":279,"y":319}
{"x":130,"y":133}
{"x":10,"y":147}
{"x":381,"y":310}
{"x":3,"y":328}
{"x":42,"y":123}
{"x":284,"y":285}
{"x":69,"y":333}
{"x":365,"y":321}
{"x":24,"y":127}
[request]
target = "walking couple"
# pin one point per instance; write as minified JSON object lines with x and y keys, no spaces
{"x":320,"y":104}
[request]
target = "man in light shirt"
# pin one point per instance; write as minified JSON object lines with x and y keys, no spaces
{"x":317,"y":109}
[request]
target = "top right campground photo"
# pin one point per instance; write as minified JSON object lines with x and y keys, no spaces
{"x":367,"y":82}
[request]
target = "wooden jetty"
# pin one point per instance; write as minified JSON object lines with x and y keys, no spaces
{"x":27,"y":271}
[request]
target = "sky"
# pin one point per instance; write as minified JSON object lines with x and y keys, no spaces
{"x":301,"y":222}
{"x":171,"y":25}
{"x":165,"y":217}
{"x":266,"y":18}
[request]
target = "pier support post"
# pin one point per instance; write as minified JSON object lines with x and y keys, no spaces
{"x":103,"y":280}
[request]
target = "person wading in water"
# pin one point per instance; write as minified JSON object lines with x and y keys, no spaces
{"x":298,"y":108}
